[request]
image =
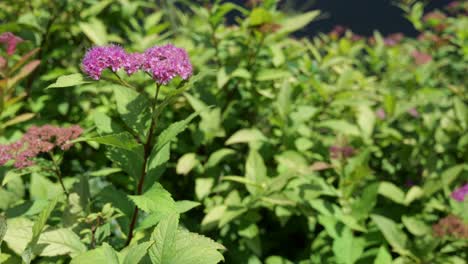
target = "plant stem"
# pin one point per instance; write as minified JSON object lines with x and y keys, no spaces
{"x":146,"y":154}
{"x":58,"y":173}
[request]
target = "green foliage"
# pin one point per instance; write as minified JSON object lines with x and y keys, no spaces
{"x":280,"y":149}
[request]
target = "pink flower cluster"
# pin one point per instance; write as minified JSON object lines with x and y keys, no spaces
{"x":162,"y":62}
{"x":38,"y":140}
{"x":338,"y":152}
{"x":421,"y":58}
{"x":10,"y":40}
{"x":460,"y":193}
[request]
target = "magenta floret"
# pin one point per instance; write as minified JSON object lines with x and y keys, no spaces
{"x":460,"y":193}
{"x":166,"y":62}
{"x":10,"y":40}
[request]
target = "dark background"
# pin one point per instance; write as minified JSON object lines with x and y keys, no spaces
{"x":361,"y":16}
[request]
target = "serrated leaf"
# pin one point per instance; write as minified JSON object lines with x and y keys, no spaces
{"x":51,"y":243}
{"x":196,"y":249}
{"x":136,"y":252}
{"x":68,"y":81}
{"x":155,"y":200}
{"x":103,"y":254}
{"x":186,"y":205}
{"x":134,"y":109}
{"x":172,"y":131}
{"x":61,"y":241}
{"x":122,"y":140}
{"x":39,"y":224}
{"x":164,"y":235}
{"x":176,"y":246}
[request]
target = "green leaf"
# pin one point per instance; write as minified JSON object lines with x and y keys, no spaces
{"x":203,"y":187}
{"x":392,"y":233}
{"x":51,"y":243}
{"x":173,"y":246}
{"x":3,"y":230}
{"x":105,"y":125}
{"x":259,"y":16}
{"x":136,"y":252}
{"x":68,"y":81}
{"x":155,"y":200}
{"x":415,"y":226}
{"x":217,"y":156}
{"x":39,"y":224}
{"x":122,"y":140}
{"x":255,"y":170}
{"x":61,"y":241}
{"x":186,"y":163}
{"x":95,"y":30}
{"x":103,"y":254}
{"x":172,"y":131}
{"x":366,"y":120}
{"x":347,"y":248}
{"x":185,"y":206}
{"x":196,"y":249}
{"x":164,"y":249}
{"x":246,"y":136}
{"x":156,"y":164}
{"x":413,"y":194}
{"x":272,"y":74}
{"x":383,"y":256}
{"x":134,"y":109}
{"x":392,"y":192}
{"x":364,"y":205}
{"x":294,"y":23}
{"x":340,"y":126}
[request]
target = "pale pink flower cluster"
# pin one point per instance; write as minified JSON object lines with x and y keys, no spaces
{"x":38,"y":140}
{"x":10,"y":40}
{"x":162,"y":62}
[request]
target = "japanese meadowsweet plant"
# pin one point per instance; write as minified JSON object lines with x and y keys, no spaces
{"x":144,"y":132}
{"x":142,"y":153}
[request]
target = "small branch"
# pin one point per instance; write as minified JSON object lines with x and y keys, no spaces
{"x":93,"y":232}
{"x":58,"y":173}
{"x":146,"y":153}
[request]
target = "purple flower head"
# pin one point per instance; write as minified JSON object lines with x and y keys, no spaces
{"x":460,"y":193}
{"x":10,"y":40}
{"x":380,"y":113}
{"x":133,"y":62}
{"x":166,"y":62}
{"x":35,"y":141}
{"x":99,"y":58}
